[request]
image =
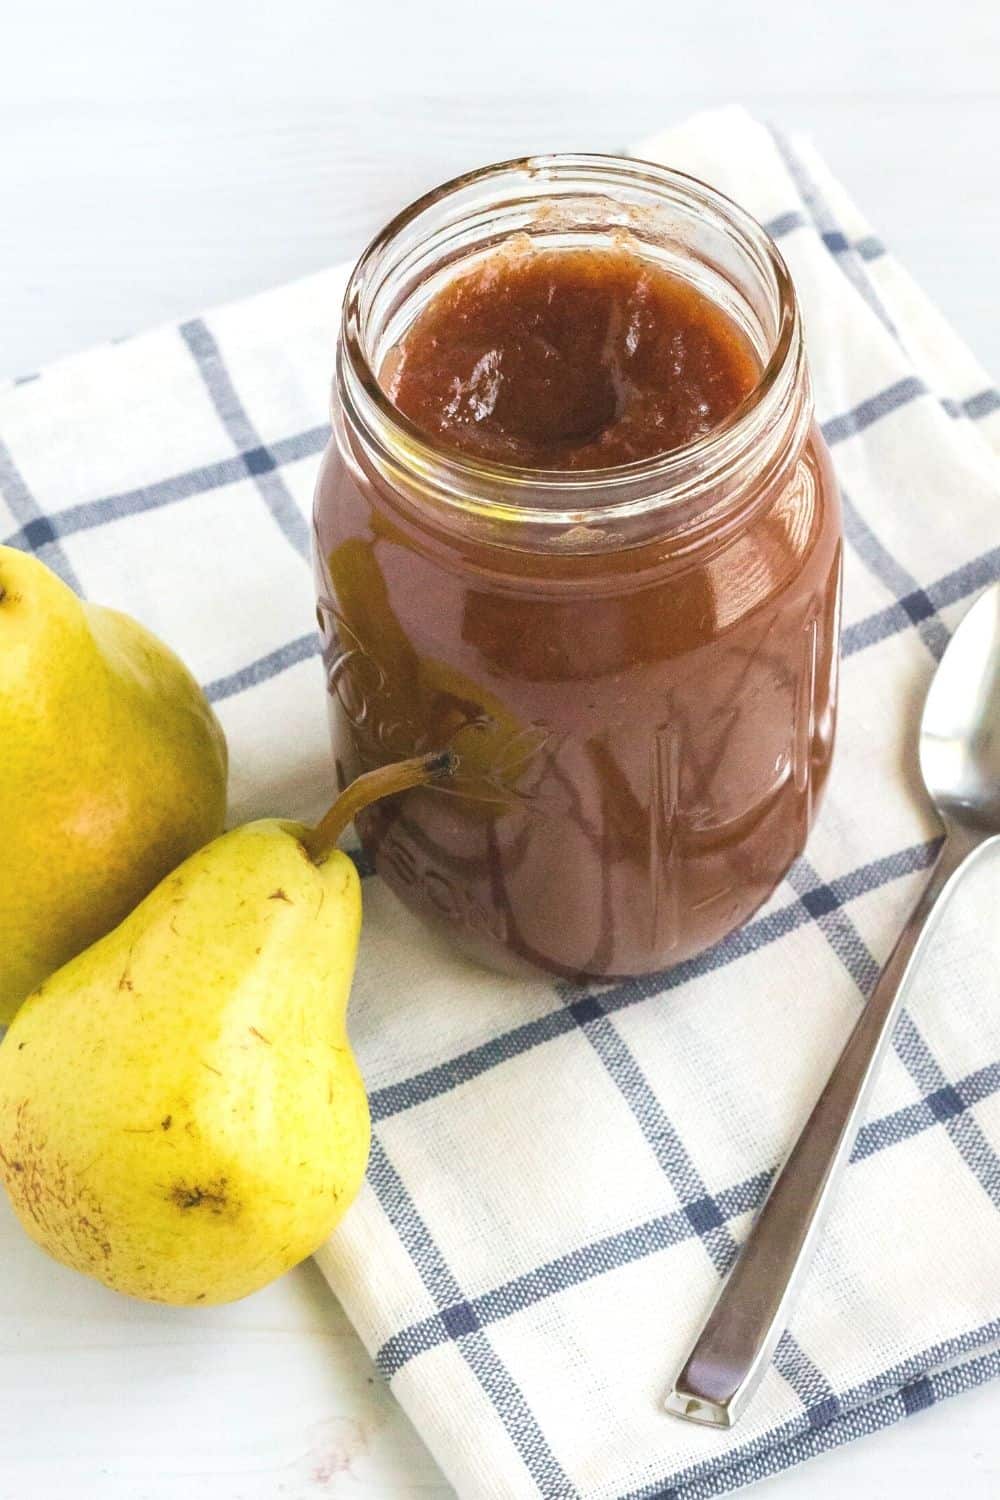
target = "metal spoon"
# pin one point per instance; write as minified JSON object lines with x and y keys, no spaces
{"x":960,"y":764}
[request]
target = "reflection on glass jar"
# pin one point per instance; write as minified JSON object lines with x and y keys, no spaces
{"x":636,"y":666}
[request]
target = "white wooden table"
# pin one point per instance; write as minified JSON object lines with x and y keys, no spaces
{"x":157,"y":158}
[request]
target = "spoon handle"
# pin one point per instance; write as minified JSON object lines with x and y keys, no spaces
{"x":734,"y":1348}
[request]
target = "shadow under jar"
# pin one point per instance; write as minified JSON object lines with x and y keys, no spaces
{"x":635,"y":664}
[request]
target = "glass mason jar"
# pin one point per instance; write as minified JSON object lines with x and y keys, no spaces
{"x":637,"y":665}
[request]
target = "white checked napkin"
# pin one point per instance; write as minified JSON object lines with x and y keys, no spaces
{"x":559,"y":1179}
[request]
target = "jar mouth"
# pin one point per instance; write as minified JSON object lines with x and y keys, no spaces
{"x":480,"y":486}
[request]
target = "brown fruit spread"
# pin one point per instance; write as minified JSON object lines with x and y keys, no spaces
{"x":643,"y":727}
{"x":572,"y":359}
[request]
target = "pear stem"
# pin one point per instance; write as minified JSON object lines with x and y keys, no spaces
{"x":385,"y":781}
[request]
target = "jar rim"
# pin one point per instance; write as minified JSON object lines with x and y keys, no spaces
{"x":464,"y":481}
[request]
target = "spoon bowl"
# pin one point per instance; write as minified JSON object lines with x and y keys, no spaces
{"x":960,"y":729}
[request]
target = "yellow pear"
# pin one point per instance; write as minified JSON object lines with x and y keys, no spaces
{"x":112,"y":770}
{"x":181,"y":1114}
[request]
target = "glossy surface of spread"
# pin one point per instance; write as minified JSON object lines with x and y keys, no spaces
{"x":569,"y":359}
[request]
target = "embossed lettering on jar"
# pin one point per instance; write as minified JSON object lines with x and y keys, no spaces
{"x":637,"y":663}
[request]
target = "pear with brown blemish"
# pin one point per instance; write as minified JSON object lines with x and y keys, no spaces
{"x":181,"y":1114}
